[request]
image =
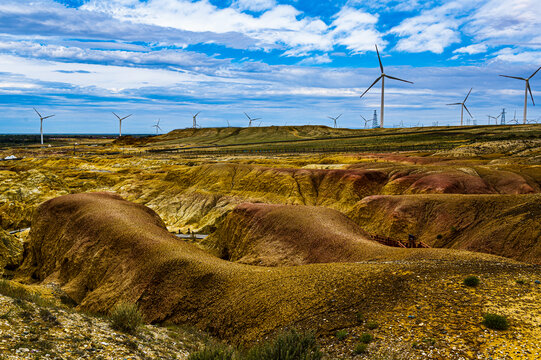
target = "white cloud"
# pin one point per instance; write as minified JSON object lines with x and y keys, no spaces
{"x":355,"y":29}
{"x":504,"y":22}
{"x":472,"y":49}
{"x":433,"y":30}
{"x":254,"y":5}
{"x":180,"y":58}
{"x":106,"y":77}
{"x":519,"y":56}
{"x":16,"y":85}
{"x":278,"y":25}
{"x":318,"y":59}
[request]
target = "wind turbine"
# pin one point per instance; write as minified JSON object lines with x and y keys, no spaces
{"x":514,"y":119}
{"x":495,"y":119}
{"x":365,"y":121}
{"x":382,"y":78}
{"x":157,"y":126}
{"x":120,"y":122}
{"x":462,"y":107}
{"x":528,"y":88}
{"x":251,"y":119}
{"x":41,"y":118}
{"x":334,"y":119}
{"x":195,"y":120}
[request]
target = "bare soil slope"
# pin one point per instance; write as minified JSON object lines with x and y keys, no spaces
{"x":278,"y":235}
{"x":506,"y":225}
{"x":102,"y":250}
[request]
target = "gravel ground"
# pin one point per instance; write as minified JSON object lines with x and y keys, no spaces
{"x":29,"y":331}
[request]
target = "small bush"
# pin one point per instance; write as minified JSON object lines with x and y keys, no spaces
{"x":471,"y":281}
{"x":126,"y":317}
{"x":290,"y":345}
{"x":366,"y":338}
{"x":495,"y":321}
{"x":521,"y":282}
{"x":360,"y":348}
{"x":214,"y":352}
{"x":372,"y":325}
{"x":341,"y":334}
{"x":439,"y":236}
{"x":360,"y":317}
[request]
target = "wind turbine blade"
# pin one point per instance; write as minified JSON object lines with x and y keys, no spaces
{"x":331,"y":118}
{"x":497,"y":117}
{"x":256,"y":119}
{"x":46,"y":117}
{"x":379,"y":59}
{"x":338,"y":117}
{"x":465,"y":107}
{"x":469,"y":92}
{"x":197,"y":114}
{"x":364,"y":118}
{"x":159,"y":128}
{"x":248,"y":116}
{"x":513,"y":77}
{"x":530,"y":90}
{"x":374,"y":83}
{"x":37,"y":112}
{"x":531,"y":76}
{"x":395,"y":78}
{"x":125,"y":117}
{"x":117,"y":116}
{"x":455,"y":104}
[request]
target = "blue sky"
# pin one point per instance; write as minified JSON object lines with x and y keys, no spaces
{"x":289,"y":62}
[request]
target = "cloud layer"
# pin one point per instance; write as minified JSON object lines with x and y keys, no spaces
{"x":290,"y":61}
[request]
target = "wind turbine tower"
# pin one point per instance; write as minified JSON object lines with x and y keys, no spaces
{"x":41,"y":118}
{"x":528,"y":88}
{"x":382,"y":78}
{"x":120,"y":122}
{"x":462,"y":107}
{"x":503,"y":117}
{"x":195,"y":120}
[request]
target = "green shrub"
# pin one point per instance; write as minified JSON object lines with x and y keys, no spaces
{"x":471,"y":281}
{"x":521,"y":282}
{"x":290,"y":345}
{"x":126,"y":317}
{"x":341,"y":334}
{"x":213,"y":352}
{"x":366,"y":338}
{"x":360,"y":317}
{"x":439,"y":236}
{"x":360,"y":348}
{"x":372,"y":325}
{"x":495,"y":321}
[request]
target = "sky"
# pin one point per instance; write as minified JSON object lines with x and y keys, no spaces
{"x":293,"y":62}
